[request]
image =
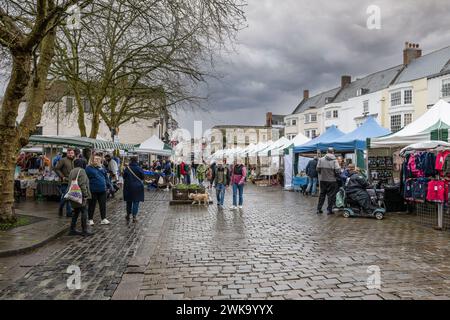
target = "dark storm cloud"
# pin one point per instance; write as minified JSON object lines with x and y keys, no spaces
{"x":291,"y":45}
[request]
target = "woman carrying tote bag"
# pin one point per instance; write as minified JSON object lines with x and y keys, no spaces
{"x":78,"y":195}
{"x":133,"y":188}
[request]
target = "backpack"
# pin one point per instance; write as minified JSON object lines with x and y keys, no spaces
{"x":238,"y":170}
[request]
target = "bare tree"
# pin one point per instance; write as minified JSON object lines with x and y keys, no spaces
{"x":136,"y":59}
{"x":28,"y":33}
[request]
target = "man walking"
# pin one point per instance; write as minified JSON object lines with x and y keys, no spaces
{"x":221,"y":178}
{"x":329,"y":170}
{"x":63,"y":169}
{"x":313,"y":175}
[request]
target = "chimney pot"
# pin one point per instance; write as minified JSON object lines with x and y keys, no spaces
{"x":411,"y":52}
{"x":269,"y":120}
{"x":345,"y":81}
{"x":305,"y":94}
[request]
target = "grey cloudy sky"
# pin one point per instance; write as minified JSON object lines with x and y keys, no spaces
{"x":292,"y":45}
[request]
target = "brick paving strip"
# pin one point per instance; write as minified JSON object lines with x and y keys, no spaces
{"x":276,"y":248}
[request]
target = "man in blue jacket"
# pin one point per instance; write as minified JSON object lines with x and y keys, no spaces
{"x":313,"y":176}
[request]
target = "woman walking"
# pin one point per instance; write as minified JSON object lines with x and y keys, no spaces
{"x":238,"y":176}
{"x":133,"y":188}
{"x":78,"y":174}
{"x":98,"y":184}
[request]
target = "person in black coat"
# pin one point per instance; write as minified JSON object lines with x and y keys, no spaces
{"x":313,"y":176}
{"x":133,"y":188}
{"x":356,"y":189}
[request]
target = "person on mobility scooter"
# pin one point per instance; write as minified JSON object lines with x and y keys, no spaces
{"x":357,"y":200}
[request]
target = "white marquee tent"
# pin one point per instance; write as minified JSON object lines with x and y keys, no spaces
{"x":155,"y":146}
{"x":435,"y":121}
{"x":269,"y":150}
{"x":299,"y":140}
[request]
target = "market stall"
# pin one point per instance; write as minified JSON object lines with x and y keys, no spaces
{"x":386,"y":163}
{"x":289,"y":174}
{"x":306,"y":151}
{"x":154,"y":146}
{"x":37,"y":179}
{"x":355,"y":142}
{"x":426,"y":178}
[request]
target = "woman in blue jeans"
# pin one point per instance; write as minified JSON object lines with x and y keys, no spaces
{"x":133,"y":188}
{"x":238,"y":176}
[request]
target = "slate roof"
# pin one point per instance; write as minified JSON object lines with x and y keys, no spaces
{"x":317,"y":101}
{"x":373,"y":83}
{"x":428,"y":65}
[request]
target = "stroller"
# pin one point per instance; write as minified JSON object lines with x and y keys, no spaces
{"x":350,"y":208}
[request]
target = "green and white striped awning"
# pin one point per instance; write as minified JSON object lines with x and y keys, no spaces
{"x":79,"y":142}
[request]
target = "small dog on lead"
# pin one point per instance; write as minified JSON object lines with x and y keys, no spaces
{"x":199,"y":198}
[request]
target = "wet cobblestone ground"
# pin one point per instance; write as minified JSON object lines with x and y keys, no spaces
{"x":275,"y":248}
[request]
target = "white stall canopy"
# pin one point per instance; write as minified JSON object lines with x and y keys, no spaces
{"x":154,"y":145}
{"x":433,"y":125}
{"x":274,"y":147}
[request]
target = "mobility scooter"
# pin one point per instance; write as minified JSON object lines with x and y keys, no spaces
{"x":350,"y":208}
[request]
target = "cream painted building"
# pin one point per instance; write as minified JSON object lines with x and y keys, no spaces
{"x":423,"y":81}
{"x":59,"y":117}
{"x":230,"y":137}
{"x":394,"y":97}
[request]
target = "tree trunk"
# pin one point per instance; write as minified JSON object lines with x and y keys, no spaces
{"x":81,"y":123}
{"x":36,"y":95}
{"x":8,"y":136}
{"x":12,"y":138}
{"x":14,"y":93}
{"x":95,"y":125}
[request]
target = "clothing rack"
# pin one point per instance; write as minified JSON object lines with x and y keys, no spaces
{"x":436,"y":150}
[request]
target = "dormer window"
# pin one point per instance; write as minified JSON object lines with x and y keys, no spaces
{"x":328,"y":100}
{"x":361,"y":92}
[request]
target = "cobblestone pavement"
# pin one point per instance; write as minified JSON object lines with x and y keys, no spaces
{"x":275,"y":248}
{"x":278,"y":248}
{"x":103,"y":258}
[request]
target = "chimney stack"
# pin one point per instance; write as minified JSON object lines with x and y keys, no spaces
{"x":269,"y":119}
{"x":411,"y":52}
{"x":345,"y":81}
{"x":305,"y":94}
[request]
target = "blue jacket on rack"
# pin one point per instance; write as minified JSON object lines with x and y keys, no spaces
{"x":429,"y":165}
